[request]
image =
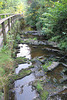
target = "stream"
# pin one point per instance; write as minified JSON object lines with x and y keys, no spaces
{"x":23,"y":89}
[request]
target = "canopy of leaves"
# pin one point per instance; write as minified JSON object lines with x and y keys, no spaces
{"x":49,"y":16}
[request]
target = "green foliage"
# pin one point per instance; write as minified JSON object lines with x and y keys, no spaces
{"x":18,"y":38}
{"x":6,"y":63}
{"x":51,"y":18}
{"x":35,"y":11}
{"x":55,"y":22}
{"x":1,"y":94}
{"x":9,"y":6}
{"x":32,"y":14}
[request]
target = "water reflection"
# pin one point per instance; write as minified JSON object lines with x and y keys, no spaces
{"x":22,"y":66}
{"x":24,"y":51}
{"x":57,"y":74}
{"x":31,"y":51}
{"x":23,"y":91}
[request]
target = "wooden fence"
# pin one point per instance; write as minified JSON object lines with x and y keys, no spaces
{"x":10,"y":19}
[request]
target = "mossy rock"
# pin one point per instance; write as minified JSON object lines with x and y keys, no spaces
{"x":44,"y":95}
{"x":39,"y":87}
{"x":22,"y":74}
{"x":31,"y":66}
{"x":21,"y":60}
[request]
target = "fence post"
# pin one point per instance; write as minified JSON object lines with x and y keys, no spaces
{"x":8,"y":24}
{"x":11,"y":20}
{"x":4,"y":33}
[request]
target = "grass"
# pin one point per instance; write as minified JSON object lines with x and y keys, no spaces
{"x":6,"y":67}
{"x":6,"y":63}
{"x":1,"y":94}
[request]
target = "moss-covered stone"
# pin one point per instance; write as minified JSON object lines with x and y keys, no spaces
{"x":45,"y":66}
{"x":44,"y":95}
{"x":39,"y":87}
{"x":21,"y":60}
{"x":31,"y":66}
{"x":22,"y":74}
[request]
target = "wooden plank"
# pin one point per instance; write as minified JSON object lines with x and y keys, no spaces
{"x":1,"y":40}
{"x":11,"y":20}
{"x":8,"y":24}
{"x":2,"y":22}
{"x":4,"y":33}
{"x":6,"y":14}
{"x":4,"y":19}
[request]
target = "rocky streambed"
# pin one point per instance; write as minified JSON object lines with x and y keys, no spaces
{"x":42,"y":70}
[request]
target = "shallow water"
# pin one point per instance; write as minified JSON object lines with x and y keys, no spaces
{"x":24,"y":51}
{"x":22,"y":66}
{"x":31,"y":51}
{"x":60,"y":95}
{"x":57,"y":74}
{"x":23,"y":89}
{"x":25,"y":93}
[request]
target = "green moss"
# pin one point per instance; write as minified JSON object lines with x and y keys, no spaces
{"x":22,"y":74}
{"x":31,"y":66}
{"x":21,"y":60}
{"x":39,"y":87}
{"x":45,"y":66}
{"x":44,"y":95}
{"x":35,"y":38}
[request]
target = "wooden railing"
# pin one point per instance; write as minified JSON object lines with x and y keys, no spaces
{"x":9,"y":20}
{"x":5,"y":15}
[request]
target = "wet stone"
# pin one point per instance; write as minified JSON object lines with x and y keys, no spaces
{"x":60,"y":95}
{"x":53,"y":65}
{"x":39,"y":74}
